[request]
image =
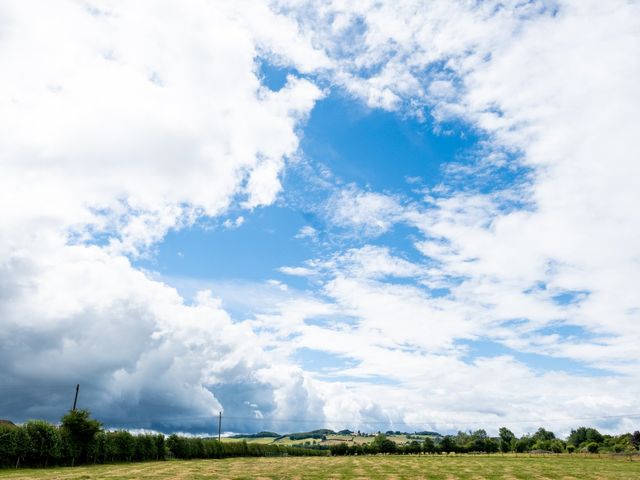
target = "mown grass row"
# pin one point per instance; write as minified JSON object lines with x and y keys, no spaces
{"x":373,"y":467}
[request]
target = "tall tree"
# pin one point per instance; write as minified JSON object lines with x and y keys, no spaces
{"x":584,"y":435}
{"x":543,"y":435}
{"x":447,"y":444}
{"x":428,"y":445}
{"x":384,"y":445}
{"x":81,"y":429}
{"x":507,"y":440}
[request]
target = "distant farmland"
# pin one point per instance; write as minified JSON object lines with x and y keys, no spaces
{"x":437,"y":467}
{"x":325,"y":440}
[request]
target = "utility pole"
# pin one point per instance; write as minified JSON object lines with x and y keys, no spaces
{"x":219,"y":424}
{"x":75,"y":400}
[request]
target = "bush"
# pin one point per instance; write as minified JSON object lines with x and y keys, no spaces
{"x":557,"y":446}
{"x":592,"y":447}
{"x":339,"y":449}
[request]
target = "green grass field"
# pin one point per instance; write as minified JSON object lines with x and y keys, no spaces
{"x":364,"y":467}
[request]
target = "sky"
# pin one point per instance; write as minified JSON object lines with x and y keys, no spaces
{"x":408,"y":215}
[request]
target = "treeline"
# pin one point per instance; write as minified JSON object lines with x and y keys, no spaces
{"x":262,"y":434}
{"x":81,"y":440}
{"x":194,"y":447}
{"x":581,"y":440}
{"x":320,"y":434}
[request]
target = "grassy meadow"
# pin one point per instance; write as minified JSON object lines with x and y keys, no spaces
{"x":442,"y":467}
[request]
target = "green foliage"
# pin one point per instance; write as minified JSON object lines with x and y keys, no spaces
{"x":462,"y":439}
{"x":492,"y":445}
{"x":592,"y":447}
{"x":583,"y":435}
{"x":477,"y":442}
{"x":381,"y":444}
{"x":507,"y":440}
{"x":45,"y":443}
{"x":412,"y":448}
{"x":558,"y":446}
{"x":161,"y":450}
{"x":339,"y":449}
{"x":524,"y":444}
{"x":9,"y":438}
{"x":39,"y":444}
{"x":318,"y":434}
{"x":428,"y":446}
{"x":447,"y":444}
{"x":384,"y":444}
{"x":8,"y":442}
{"x":543,"y":435}
{"x":188,"y":448}
{"x":618,"y":444}
{"x":145,"y":447}
{"x":23,"y":445}
{"x":260,"y":435}
{"x":81,"y":430}
{"x":80,"y":440}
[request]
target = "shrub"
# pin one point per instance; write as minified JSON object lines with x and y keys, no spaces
{"x":592,"y":447}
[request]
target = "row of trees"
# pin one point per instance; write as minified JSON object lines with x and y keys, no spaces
{"x":81,"y":439}
{"x":581,"y":440}
{"x":194,"y":447}
{"x":38,"y":443}
{"x":381,"y":444}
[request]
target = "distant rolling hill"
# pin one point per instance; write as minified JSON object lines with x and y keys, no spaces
{"x":325,"y":437}
{"x":258,"y":435}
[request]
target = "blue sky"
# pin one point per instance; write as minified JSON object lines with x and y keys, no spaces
{"x":371,"y":149}
{"x":359,"y":216}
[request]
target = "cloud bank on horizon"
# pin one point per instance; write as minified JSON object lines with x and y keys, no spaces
{"x":363,"y":280}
